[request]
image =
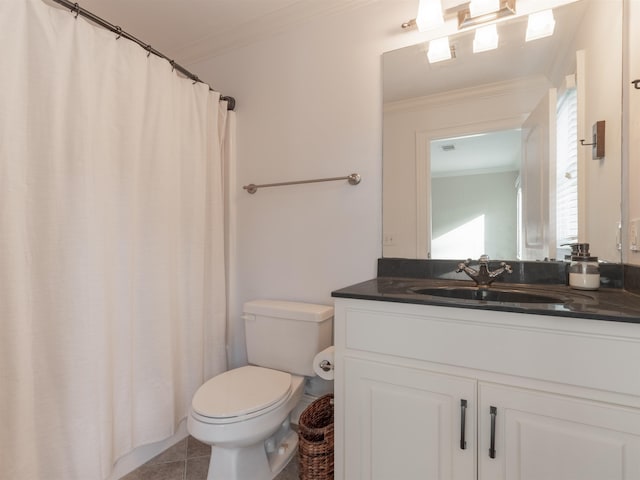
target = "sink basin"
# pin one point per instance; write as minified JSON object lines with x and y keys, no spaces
{"x":490,"y":295}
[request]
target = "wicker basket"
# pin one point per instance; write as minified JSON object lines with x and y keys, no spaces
{"x":315,"y":445}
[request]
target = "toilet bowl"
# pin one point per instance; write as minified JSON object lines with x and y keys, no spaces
{"x":248,"y":422}
{"x":244,"y":413}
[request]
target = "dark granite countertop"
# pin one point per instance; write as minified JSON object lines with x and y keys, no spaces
{"x":617,"y":300}
{"x":611,"y":304}
{"x":398,"y":278}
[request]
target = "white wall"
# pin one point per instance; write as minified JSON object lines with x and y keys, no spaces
{"x":309,"y":106}
{"x":460,"y":199}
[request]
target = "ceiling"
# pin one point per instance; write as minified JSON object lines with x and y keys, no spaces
{"x":189,"y":31}
{"x":490,"y":152}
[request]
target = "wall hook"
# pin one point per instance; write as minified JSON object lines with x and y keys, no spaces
{"x":597,"y":142}
{"x":636,"y":83}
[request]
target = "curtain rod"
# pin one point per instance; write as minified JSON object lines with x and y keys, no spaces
{"x":78,"y":10}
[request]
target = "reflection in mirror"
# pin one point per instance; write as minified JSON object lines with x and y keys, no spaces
{"x":474,"y":195}
{"x":543,"y":97}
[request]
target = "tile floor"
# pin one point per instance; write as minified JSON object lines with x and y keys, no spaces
{"x":189,"y":460}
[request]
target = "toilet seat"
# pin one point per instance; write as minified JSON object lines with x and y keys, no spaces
{"x":240,"y":394}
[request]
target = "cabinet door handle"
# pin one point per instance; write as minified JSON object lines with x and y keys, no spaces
{"x":463,"y":421}
{"x":493,"y":411}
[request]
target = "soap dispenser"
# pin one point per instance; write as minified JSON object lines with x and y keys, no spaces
{"x":584,"y":272}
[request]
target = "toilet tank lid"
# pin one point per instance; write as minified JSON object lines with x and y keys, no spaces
{"x":290,"y":310}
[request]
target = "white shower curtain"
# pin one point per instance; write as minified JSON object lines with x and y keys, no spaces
{"x":112,"y":282}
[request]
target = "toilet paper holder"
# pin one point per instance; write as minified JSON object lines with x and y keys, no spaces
{"x":326,"y":365}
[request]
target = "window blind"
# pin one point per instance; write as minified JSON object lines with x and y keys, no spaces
{"x":567,"y":168}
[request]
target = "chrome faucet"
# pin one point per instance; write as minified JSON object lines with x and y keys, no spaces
{"x":483,"y":276}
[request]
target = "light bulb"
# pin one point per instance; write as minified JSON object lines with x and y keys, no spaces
{"x":486,"y":39}
{"x":439,"y":50}
{"x":429,"y":15}
{"x":540,"y":25}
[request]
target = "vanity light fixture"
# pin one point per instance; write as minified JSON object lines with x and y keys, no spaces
{"x":458,"y":18}
{"x":438,"y":19}
{"x":430,"y":15}
{"x":439,"y":50}
{"x":540,"y":25}
{"x":486,"y":39}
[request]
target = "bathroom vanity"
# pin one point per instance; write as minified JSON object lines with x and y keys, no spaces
{"x":444,"y":388}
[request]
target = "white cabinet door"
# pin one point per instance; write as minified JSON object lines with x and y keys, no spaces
{"x":541,"y":436}
{"x":406,"y":423}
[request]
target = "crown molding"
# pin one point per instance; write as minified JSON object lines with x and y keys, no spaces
{"x":497,"y":89}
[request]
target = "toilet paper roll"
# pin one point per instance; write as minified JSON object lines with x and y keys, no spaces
{"x":323,"y":363}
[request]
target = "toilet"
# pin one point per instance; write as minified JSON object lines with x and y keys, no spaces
{"x":244,"y":413}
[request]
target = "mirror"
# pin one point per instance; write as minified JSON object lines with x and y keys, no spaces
{"x":478,"y":152}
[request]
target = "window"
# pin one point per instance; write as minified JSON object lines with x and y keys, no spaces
{"x":567,"y":169}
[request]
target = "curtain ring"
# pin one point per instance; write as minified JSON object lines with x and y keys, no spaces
{"x":76,"y":8}
{"x":195,"y":79}
{"x":173,"y":65}
{"x":119,"y":32}
{"x":148,"y":49}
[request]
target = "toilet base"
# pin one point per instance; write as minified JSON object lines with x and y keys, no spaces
{"x":254,"y":462}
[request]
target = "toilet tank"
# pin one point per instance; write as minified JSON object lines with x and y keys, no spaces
{"x":286,"y":335}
